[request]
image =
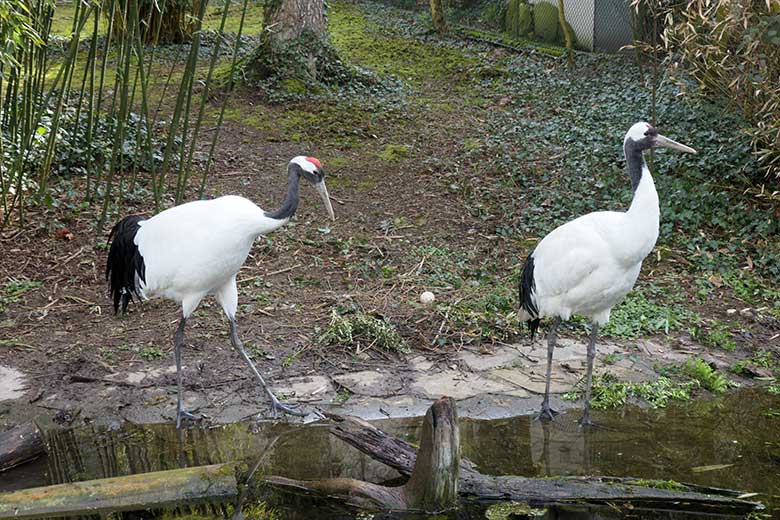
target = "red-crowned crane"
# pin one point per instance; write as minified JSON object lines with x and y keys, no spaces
{"x":187,"y":252}
{"x":588,"y":265}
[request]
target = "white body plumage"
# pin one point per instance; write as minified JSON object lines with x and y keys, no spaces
{"x":589,"y":264}
{"x":197,"y":248}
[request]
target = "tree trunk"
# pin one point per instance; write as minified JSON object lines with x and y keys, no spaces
{"x":566,"y":34}
{"x":293,"y":43}
{"x":287,"y":20}
{"x":161,"y":21}
{"x":437,"y":14}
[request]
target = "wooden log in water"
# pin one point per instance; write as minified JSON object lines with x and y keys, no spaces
{"x":435,"y":470}
{"x":19,"y":445}
{"x":128,"y":493}
{"x":474,"y":485}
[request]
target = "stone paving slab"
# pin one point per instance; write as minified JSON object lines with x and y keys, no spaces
{"x":304,"y":388}
{"x":532,"y":382}
{"x":489,"y":382}
{"x":456,"y":384}
{"x":371,"y":383}
{"x":479,"y":361}
{"x":12,"y":384}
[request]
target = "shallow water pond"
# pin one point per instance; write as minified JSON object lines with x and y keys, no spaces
{"x":731,"y":441}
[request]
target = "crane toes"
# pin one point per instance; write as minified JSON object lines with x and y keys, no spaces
{"x":289,"y":409}
{"x":183,"y":414}
{"x":547,"y":414}
{"x":585,"y":422}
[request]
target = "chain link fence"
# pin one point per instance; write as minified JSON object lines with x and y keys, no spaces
{"x":598,"y":25}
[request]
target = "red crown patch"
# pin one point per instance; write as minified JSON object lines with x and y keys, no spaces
{"x":315,"y":162}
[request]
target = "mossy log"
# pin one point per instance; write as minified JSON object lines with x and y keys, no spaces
{"x":434,"y":476}
{"x":19,"y":445}
{"x":128,"y":493}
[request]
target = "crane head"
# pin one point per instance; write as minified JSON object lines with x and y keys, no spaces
{"x":646,"y":137}
{"x":311,"y":169}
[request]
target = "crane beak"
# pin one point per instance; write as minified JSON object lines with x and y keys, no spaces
{"x":670,"y":143}
{"x":325,"y":198}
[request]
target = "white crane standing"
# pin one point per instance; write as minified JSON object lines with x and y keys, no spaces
{"x":187,"y":252}
{"x":589,"y":264}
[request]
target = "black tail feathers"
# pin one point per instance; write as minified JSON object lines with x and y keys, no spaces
{"x":125,"y":264}
{"x":527,"y":287}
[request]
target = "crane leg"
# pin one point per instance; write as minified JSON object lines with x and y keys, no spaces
{"x":178,"y":340}
{"x":547,"y":412}
{"x":276,"y":405}
{"x":594,"y":331}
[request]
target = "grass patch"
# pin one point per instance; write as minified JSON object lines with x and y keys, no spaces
{"x":363,"y":331}
{"x":13,"y":290}
{"x":753,"y":290}
{"x":382,"y":48}
{"x":718,"y":336}
{"x":762,"y":358}
{"x":707,"y":377}
{"x":487,"y":313}
{"x":442,"y":267}
{"x":394,"y":152}
{"x":608,"y":392}
{"x":151,"y":353}
{"x":674,"y":384}
{"x":253,"y":23}
{"x":648,"y":310}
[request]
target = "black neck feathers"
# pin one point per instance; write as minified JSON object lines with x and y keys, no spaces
{"x":635,"y":161}
{"x":290,"y":202}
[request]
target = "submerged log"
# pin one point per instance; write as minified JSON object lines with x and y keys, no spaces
{"x":19,"y":445}
{"x":128,"y":493}
{"x":435,"y":470}
{"x":474,"y":485}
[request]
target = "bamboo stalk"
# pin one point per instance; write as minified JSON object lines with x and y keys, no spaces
{"x":232,"y":72}
{"x":206,"y":89}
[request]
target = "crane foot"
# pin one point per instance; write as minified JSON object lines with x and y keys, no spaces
{"x":547,"y":414}
{"x":289,"y":409}
{"x":183,"y":414}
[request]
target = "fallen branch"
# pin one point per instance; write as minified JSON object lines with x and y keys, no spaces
{"x":401,"y":456}
{"x":433,"y":485}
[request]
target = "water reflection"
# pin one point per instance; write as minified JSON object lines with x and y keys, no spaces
{"x":733,"y":434}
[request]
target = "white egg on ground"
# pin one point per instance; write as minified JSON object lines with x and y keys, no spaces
{"x":427,"y":298}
